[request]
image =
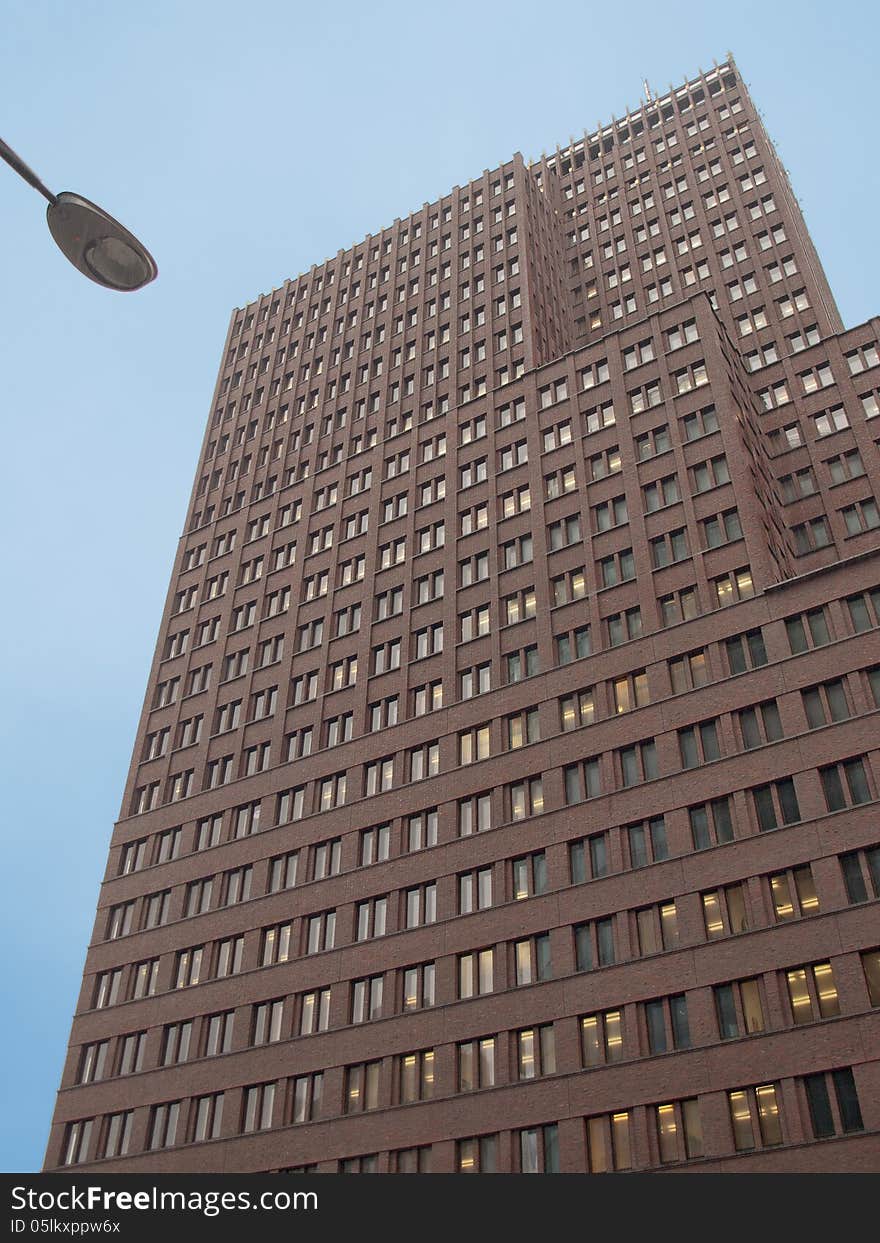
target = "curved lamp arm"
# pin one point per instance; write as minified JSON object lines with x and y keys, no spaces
{"x":16,"y":162}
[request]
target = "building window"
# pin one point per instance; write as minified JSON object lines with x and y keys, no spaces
{"x":569,"y":586}
{"x":711,"y":823}
{"x":630,"y":691}
{"x":594,"y":944}
{"x":574,"y":645}
{"x":93,"y":1062}
{"x":648,"y":444}
{"x":362,"y":1087}
{"x":413,"y":1160}
{"x":416,"y":1072}
{"x":871,"y":969}
{"x":368,"y":1164}
{"x":833,"y":1103}
{"x":477,"y":1155}
{"x":662,"y":492}
{"x":679,"y":606}
{"x":582,"y":780}
{"x":375,"y":845}
{"x":267,"y":1022}
{"x":427,"y":698}
{"x":121,"y":918}
{"x":424,"y":761}
{"x":474,"y":745}
{"x":737,"y":585}
{"x":117,"y":1135}
{"x":420,"y":904}
{"x":476,"y":1064}
{"x":688,"y":672}
{"x":845,"y":784}
{"x":474,"y":891}
{"x":621,"y":627}
{"x":864,"y":610}
{"x":532,"y":960}
{"x":306,"y":1095}
{"x":610,"y":514}
{"x":163,"y":1125}
{"x":366,"y":999}
{"x":539,"y":1149}
{"x":422,"y":830}
{"x":698,"y":744}
{"x":760,"y":724}
{"x":536,"y":1051}
{"x":526,"y":798}
{"x":739,"y":1009}
{"x":522,"y":729}
{"x":724,"y":911}
{"x":314,"y":1012}
{"x":812,"y":993}
{"x":77,"y":1141}
{"x":291,"y":805}
{"x":807,"y":630}
{"x":474,"y":814}
{"x":230,"y":952}
{"x":145,"y":979}
{"x":609,"y":1145}
{"x":824,"y":703}
{"x":776,"y":803}
{"x":666,"y":1023}
{"x":134,"y":856}
{"x":563,"y":532}
{"x":811,"y":535}
{"x":378,"y":776}
{"x":588,"y":858}
{"x":601,"y":1038}
{"x":577,"y":709}
{"x":236,"y":886}
{"x":476,"y":973}
{"x":320,"y":932}
{"x":647,"y":842}
{"x":529,"y":875}
{"x":189,"y":966}
{"x":712,"y":474}
{"x":637,"y":763}
{"x":679,"y":1130}
{"x":656,"y":928}
{"x":276,"y":944}
{"x":755,"y":1117}
{"x":861,"y":873}
{"x":282,"y":871}
{"x":519,"y":606}
{"x":131,"y":1050}
{"x":793,"y":893}
{"x":418,"y":986}
{"x":370,"y":919}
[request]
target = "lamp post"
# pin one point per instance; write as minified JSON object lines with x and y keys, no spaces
{"x":96,"y":244}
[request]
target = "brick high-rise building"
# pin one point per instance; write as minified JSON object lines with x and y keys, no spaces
{"x":504,"y":796}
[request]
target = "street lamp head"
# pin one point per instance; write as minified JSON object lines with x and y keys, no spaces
{"x":99,"y":246}
{"x":96,"y":244}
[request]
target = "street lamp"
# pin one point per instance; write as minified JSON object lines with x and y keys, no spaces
{"x":96,"y":244}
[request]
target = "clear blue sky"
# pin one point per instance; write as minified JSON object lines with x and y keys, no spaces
{"x":243,"y":142}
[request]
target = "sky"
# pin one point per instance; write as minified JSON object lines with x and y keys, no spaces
{"x":242,"y":144}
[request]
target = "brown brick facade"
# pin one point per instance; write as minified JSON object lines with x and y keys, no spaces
{"x":504,"y":794}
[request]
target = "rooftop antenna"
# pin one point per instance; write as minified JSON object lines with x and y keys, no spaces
{"x":648,"y":96}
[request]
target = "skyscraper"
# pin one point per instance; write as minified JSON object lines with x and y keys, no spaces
{"x":504,"y":796}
